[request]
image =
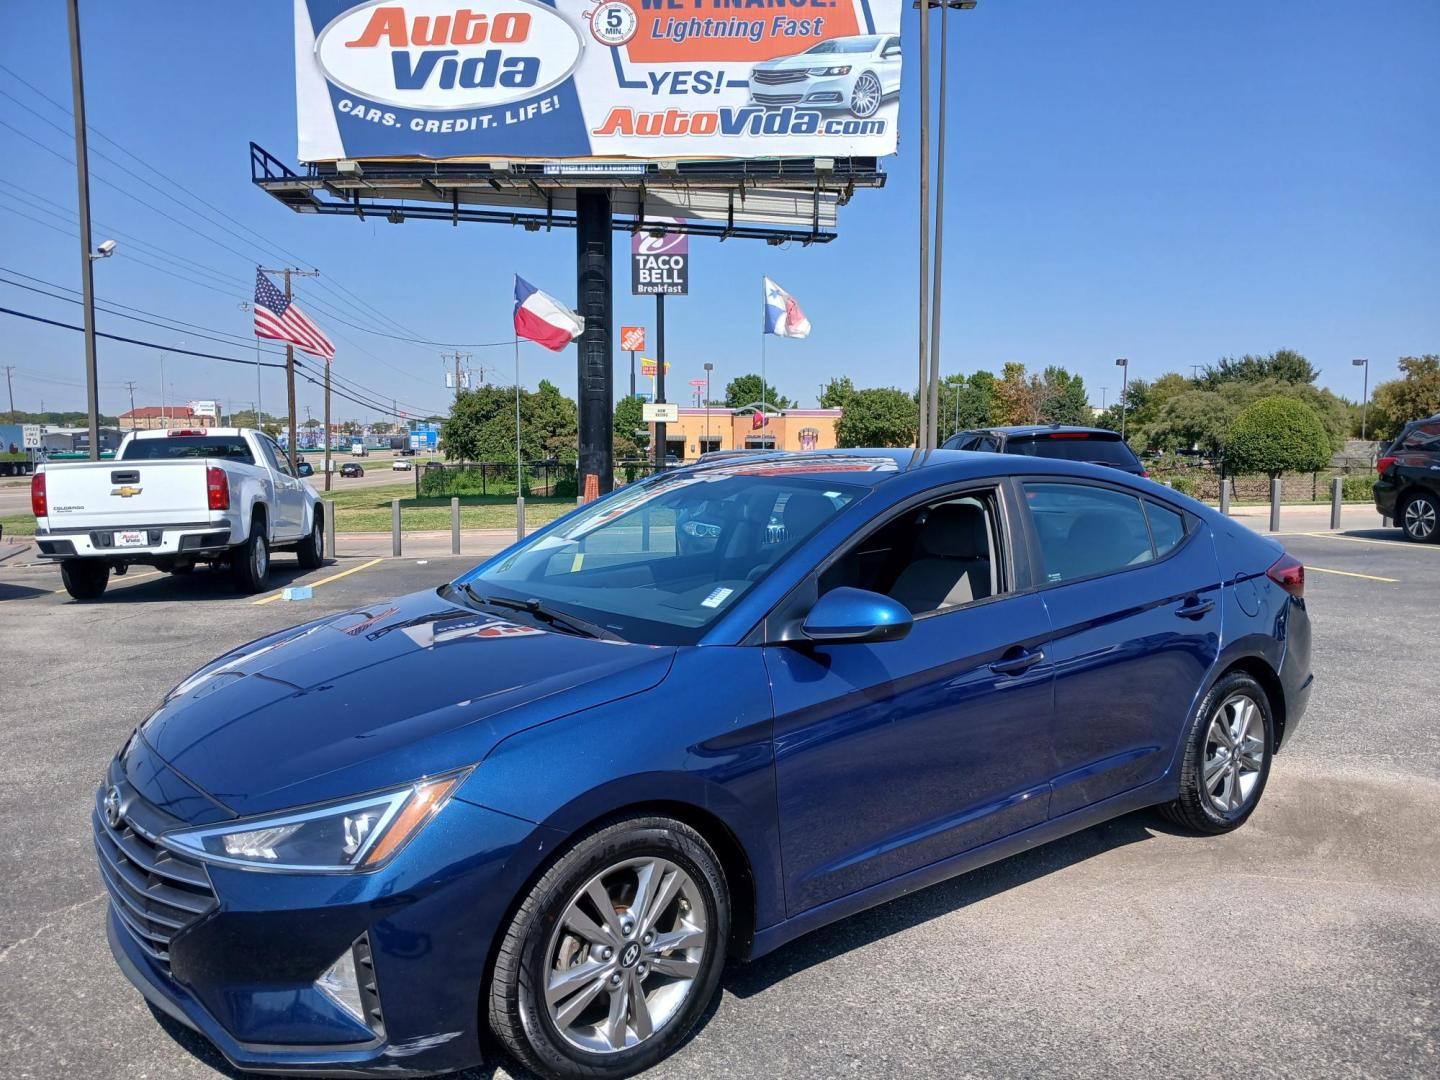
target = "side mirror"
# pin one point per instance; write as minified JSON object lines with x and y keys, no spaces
{"x":856,"y":616}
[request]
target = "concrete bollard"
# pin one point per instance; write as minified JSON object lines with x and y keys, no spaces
{"x":394,"y":526}
{"x":454,"y":525}
{"x":1275,"y":505}
{"x":330,"y":527}
{"x":519,"y":517}
{"x":1337,"y":485}
{"x":1225,"y":495}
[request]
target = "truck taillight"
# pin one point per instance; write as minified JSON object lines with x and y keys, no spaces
{"x":38,"y":505}
{"x":1381,"y":464}
{"x":217,"y":487}
{"x":1289,"y":574}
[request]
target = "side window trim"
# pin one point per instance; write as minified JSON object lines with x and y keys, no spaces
{"x":1038,"y":580}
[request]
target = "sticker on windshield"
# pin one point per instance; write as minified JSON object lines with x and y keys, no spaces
{"x":716,"y":597}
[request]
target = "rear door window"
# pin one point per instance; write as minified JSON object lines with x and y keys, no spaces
{"x":1167,"y":527}
{"x":1422,"y":437}
{"x":1086,"y":530}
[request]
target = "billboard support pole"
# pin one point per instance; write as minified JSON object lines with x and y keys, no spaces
{"x":595,"y":385}
{"x":922,"y":439}
{"x":932,"y":383}
{"x":661,"y":447}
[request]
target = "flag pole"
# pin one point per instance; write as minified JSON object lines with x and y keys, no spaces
{"x":764,"y":325}
{"x":519,"y":481}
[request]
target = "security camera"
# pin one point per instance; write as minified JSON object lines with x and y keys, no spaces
{"x":105,"y":250}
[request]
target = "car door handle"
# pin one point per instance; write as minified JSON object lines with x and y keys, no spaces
{"x":1193,"y":609}
{"x":1014,"y":665}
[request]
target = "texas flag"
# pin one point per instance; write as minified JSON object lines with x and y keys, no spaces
{"x":541,"y":318}
{"x":783,"y":316}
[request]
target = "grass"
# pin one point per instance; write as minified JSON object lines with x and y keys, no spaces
{"x":24,"y":525}
{"x":368,"y":509}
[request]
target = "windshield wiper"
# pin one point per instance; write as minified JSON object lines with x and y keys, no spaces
{"x":545,"y":613}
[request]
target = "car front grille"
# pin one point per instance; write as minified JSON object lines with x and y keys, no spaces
{"x":778,"y":99}
{"x":776,"y":78}
{"x":155,"y":892}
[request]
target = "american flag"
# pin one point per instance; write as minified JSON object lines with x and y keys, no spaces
{"x":281,"y":319}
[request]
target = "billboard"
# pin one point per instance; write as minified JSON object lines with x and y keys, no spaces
{"x":574,"y":79}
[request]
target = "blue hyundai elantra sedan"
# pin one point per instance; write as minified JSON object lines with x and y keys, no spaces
{"x":681,"y":726}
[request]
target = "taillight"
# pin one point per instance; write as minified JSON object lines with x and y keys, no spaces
{"x":1145,"y":473}
{"x":1289,"y":574}
{"x":38,"y":505}
{"x":217,"y":487}
{"x":1381,"y":464}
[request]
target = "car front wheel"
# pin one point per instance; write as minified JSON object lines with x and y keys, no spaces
{"x":1420,"y":519}
{"x":1227,"y":757}
{"x":866,"y":96}
{"x":250,"y":563}
{"x":311,"y":551}
{"x":614,"y":953}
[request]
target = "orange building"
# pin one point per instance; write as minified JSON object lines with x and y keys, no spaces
{"x":701,"y":431}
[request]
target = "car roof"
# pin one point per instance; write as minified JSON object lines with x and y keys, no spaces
{"x":1040,"y":429}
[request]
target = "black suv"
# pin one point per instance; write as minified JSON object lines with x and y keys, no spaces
{"x":1097,"y":445}
{"x":1408,"y":491}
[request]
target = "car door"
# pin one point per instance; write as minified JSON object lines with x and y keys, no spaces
{"x":1132,"y":588}
{"x":289,"y":508}
{"x":891,"y":756}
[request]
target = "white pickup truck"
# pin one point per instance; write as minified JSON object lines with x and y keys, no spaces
{"x":172,"y":499}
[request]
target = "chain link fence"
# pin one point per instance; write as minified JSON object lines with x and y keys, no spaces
{"x":555,"y":479}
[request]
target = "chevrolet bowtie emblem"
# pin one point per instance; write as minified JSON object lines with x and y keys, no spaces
{"x":125,"y":491}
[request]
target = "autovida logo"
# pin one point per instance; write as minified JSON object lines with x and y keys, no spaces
{"x":439,"y":55}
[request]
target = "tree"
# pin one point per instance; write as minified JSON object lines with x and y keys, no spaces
{"x":966,"y":402}
{"x":631,"y":437}
{"x":1399,"y":401}
{"x":878,"y":417}
{"x":836,"y":392}
{"x":1062,"y":397}
{"x":745,"y":390}
{"x":1015,"y":401}
{"x":1283,"y":365}
{"x":1276,"y":435}
{"x":554,"y":420}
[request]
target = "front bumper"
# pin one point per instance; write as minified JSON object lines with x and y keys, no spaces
{"x":243,"y":975}
{"x":813,"y":92}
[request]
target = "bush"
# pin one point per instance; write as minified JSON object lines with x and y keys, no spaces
{"x":1359,"y":488}
{"x":1186,"y":485}
{"x":1276,"y":435}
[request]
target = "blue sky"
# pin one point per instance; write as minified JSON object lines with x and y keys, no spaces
{"x":1164,"y":181}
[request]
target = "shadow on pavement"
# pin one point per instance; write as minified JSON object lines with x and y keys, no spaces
{"x":11,"y":591}
{"x":199,"y":584}
{"x":1375,"y":534}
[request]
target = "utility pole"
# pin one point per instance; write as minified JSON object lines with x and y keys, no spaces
{"x":327,"y":425}
{"x":9,"y":369}
{"x":130,"y":386}
{"x":87,"y":257}
{"x":457,"y":356}
{"x":288,"y":271}
{"x":1124,"y":365}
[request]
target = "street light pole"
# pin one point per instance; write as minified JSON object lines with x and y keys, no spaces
{"x":1123,"y":364}
{"x":1365,"y":407}
{"x":87,"y":257}
{"x":709,"y":367}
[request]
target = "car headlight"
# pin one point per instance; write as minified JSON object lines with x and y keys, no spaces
{"x":830,"y":71}
{"x":359,"y":834}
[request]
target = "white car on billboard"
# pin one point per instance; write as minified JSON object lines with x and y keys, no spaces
{"x":856,"y":73}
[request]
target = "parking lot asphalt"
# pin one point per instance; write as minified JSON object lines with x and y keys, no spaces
{"x":1306,"y":944}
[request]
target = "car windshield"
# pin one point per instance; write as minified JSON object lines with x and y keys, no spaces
{"x":174,"y":447}
{"x":1077,"y":446}
{"x":660,"y":561}
{"x":844,"y":45}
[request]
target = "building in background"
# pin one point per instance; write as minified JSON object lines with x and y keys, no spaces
{"x":147,"y":417}
{"x":702,"y":431}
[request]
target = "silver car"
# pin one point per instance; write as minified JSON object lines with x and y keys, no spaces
{"x":857,"y":73}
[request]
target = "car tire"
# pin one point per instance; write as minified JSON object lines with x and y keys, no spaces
{"x":250,"y":562}
{"x":311,"y":551}
{"x":1228,"y":749}
{"x":866,"y":96}
{"x":85,"y":579}
{"x":574,"y":1035}
{"x":1419,"y":518}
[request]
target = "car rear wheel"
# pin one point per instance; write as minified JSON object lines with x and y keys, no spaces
{"x":1420,"y":519}
{"x":866,"y":95}
{"x":250,"y":563}
{"x":85,"y":579}
{"x":1227,"y":757}
{"x":614,"y":954}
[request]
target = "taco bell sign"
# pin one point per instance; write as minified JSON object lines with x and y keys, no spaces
{"x":659,"y":265}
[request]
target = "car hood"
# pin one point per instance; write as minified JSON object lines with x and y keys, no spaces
{"x":381,"y":696}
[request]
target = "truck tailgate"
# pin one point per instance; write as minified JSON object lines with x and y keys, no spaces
{"x":118,"y":494}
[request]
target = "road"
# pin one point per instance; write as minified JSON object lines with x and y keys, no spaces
{"x":1306,"y":944}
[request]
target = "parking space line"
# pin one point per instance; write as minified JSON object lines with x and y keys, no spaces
{"x":1351,"y":573}
{"x":1407,"y":545}
{"x":323,"y":581}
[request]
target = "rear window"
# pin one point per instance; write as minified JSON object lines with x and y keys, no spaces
{"x":1424,"y":436}
{"x":1101,"y":449}
{"x":178,"y":447}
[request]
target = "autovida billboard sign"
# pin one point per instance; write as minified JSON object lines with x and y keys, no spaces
{"x":578,"y":79}
{"x":659,"y":265}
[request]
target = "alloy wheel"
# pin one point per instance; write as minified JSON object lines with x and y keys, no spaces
{"x":865,"y":98}
{"x":262,"y":557}
{"x":625,"y":956}
{"x":1420,"y":519}
{"x":1234,"y":754}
